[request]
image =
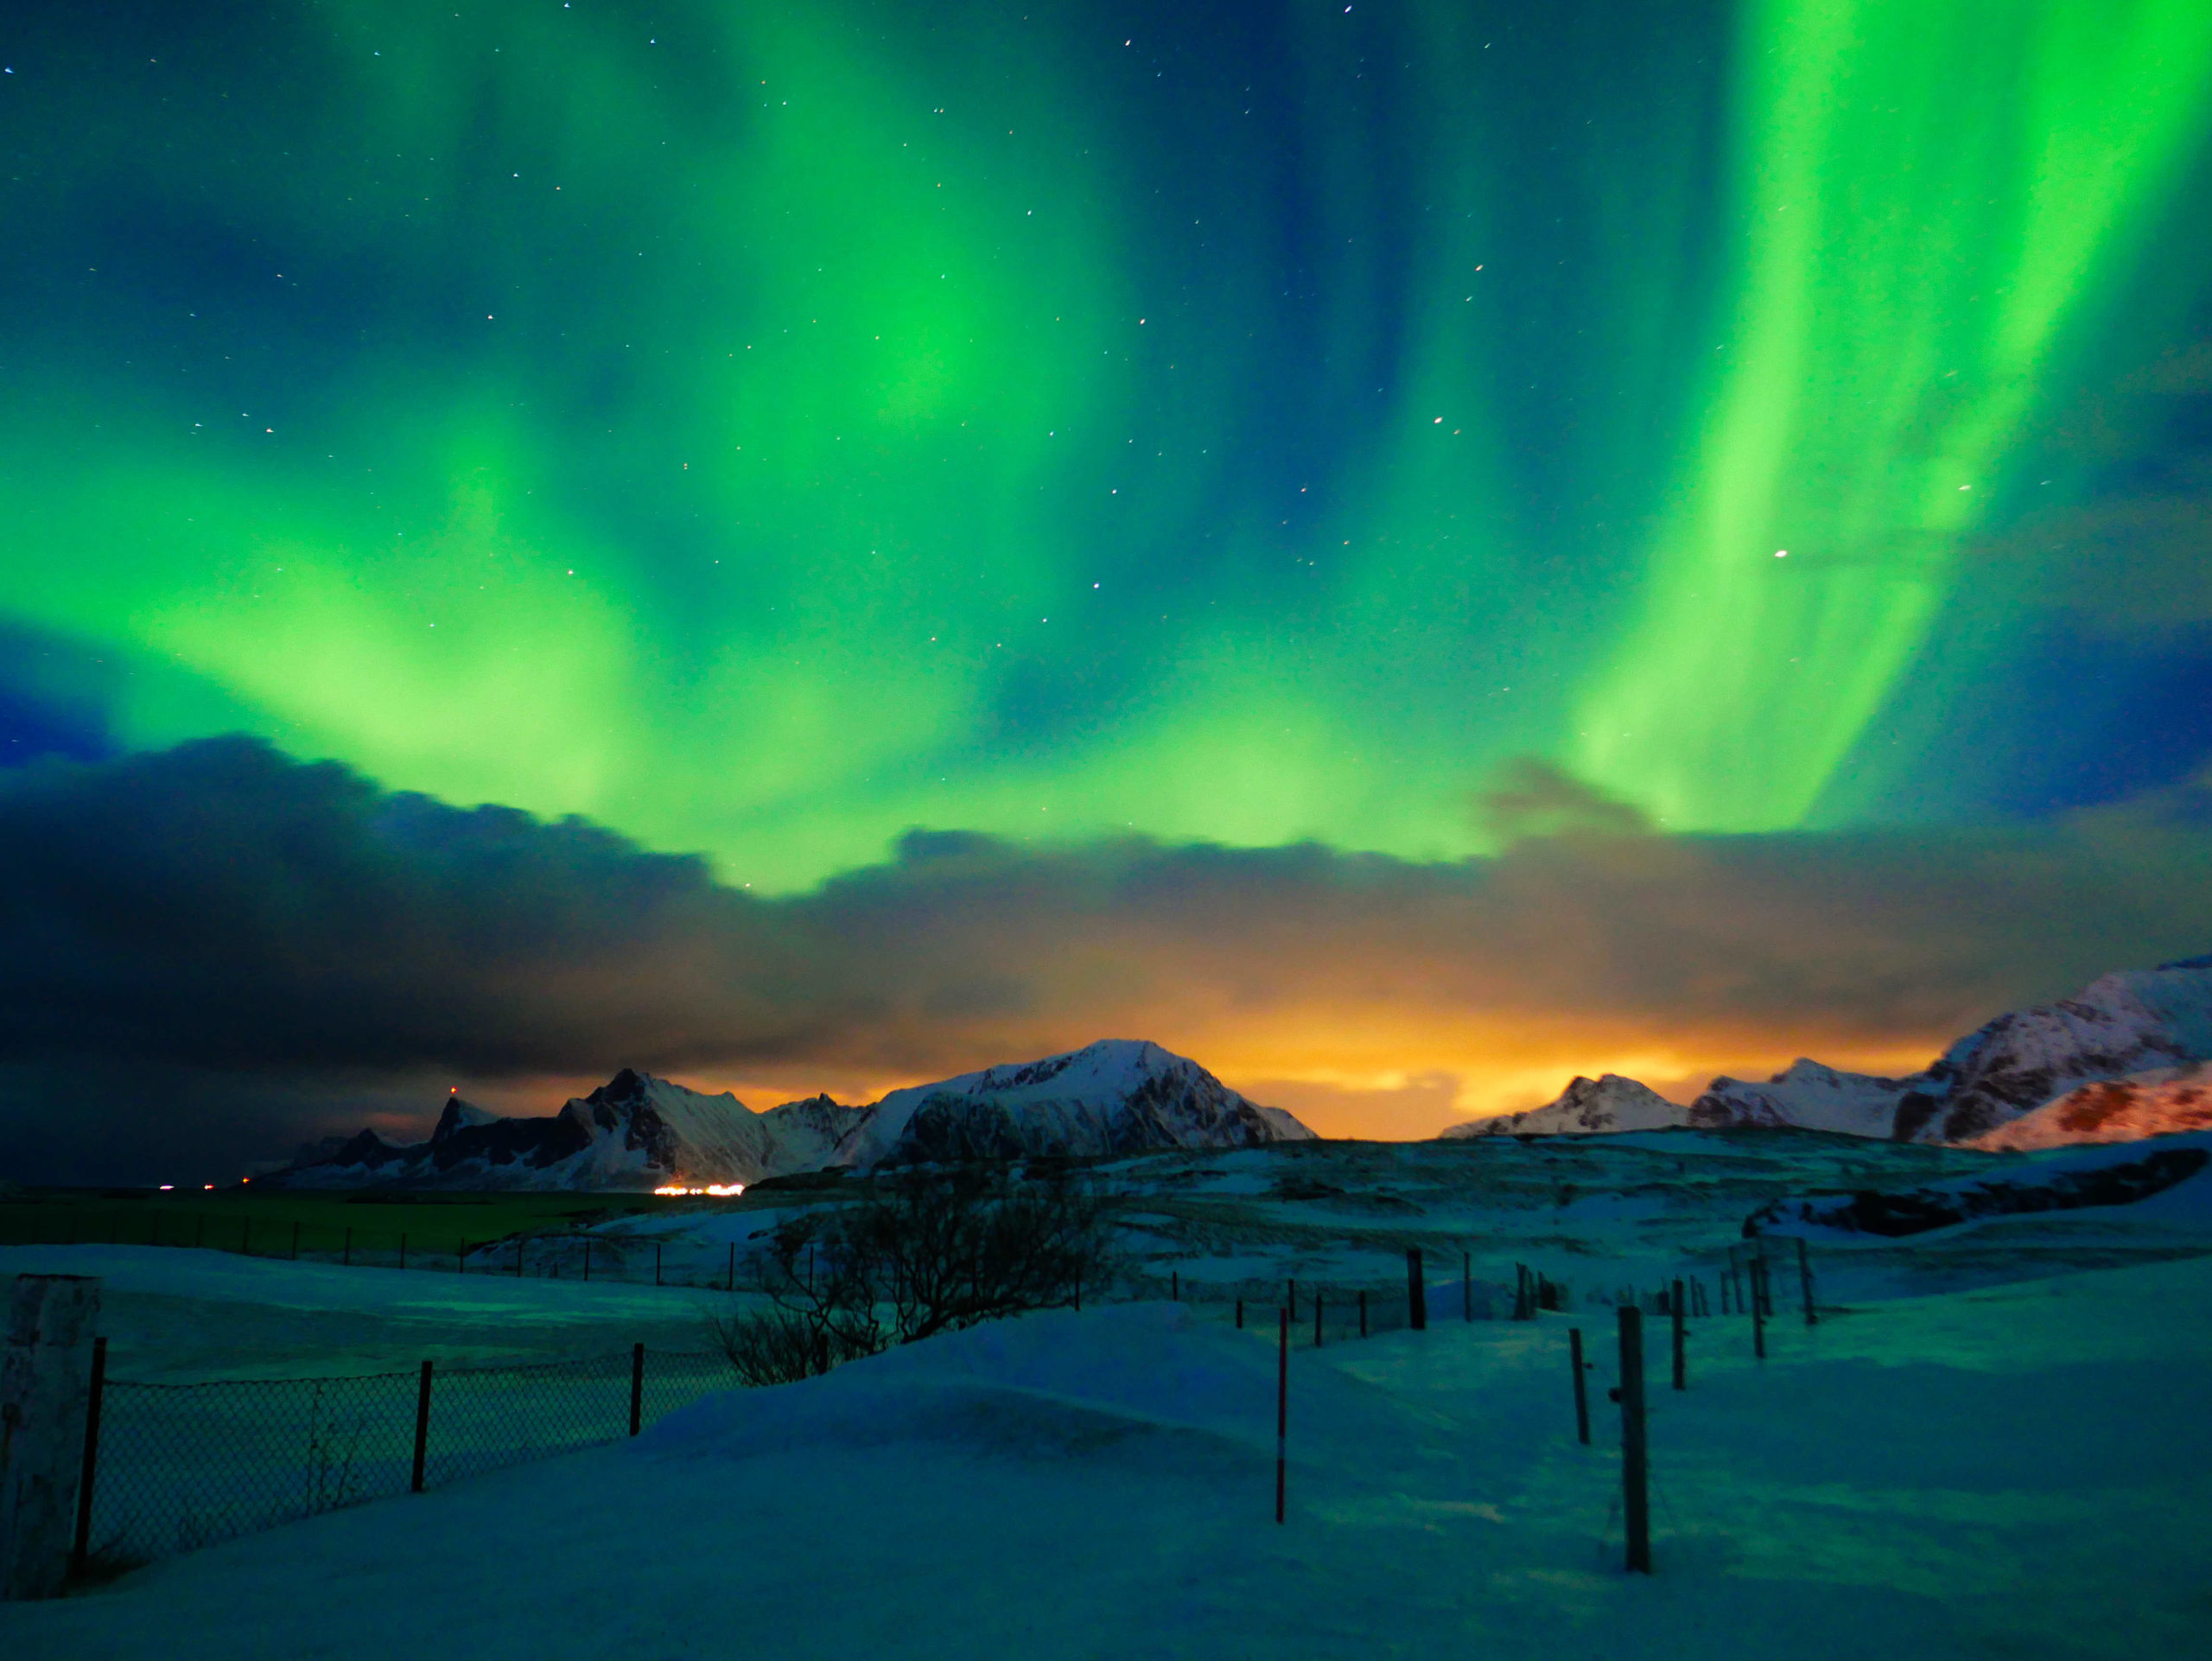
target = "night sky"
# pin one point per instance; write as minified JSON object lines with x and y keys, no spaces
{"x":1406,"y":550}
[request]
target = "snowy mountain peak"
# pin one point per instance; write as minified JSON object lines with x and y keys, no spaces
{"x":1116,"y":1095}
{"x":1586,"y":1107}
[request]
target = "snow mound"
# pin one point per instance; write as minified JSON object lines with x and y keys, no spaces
{"x":1053,"y":1384}
{"x":2075,"y":1179}
{"x":1119,"y":1096}
{"x":1586,"y":1107}
{"x":2163,"y":1102}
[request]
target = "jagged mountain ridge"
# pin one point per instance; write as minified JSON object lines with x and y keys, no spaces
{"x":2128,"y":1023}
{"x":637,"y":1131}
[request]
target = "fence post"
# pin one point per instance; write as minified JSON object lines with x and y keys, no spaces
{"x":1416,"y":1295}
{"x":1363,"y":1314}
{"x":1240,"y":1315}
{"x":1174,"y":1286}
{"x":1758,"y":1308}
{"x":517,"y":1256}
{"x":81,"y":1552}
{"x":1634,"y":1475}
{"x":1078,"y":1291}
{"x":588,"y":1256}
{"x":1675,"y":1307}
{"x":1282,"y":1410}
{"x":44,"y":1387}
{"x":1316,"y":1317}
{"x":636,"y":1387}
{"x":422,"y":1425}
{"x":1466,"y":1286}
{"x":1805,"y":1281}
{"x":733,"y":1272}
{"x":656,"y":1265}
{"x":1581,"y":1384}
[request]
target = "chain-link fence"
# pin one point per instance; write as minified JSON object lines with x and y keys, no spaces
{"x":183,"y":1466}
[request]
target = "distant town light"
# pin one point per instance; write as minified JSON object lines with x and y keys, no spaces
{"x":718,"y":1190}
{"x":166,"y":1186}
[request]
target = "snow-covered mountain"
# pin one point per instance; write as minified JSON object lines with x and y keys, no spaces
{"x":634,"y":1131}
{"x":1118,"y":1096}
{"x":1586,"y":1107}
{"x":2133,"y":1021}
{"x":2161,"y":1103}
{"x":637,"y":1131}
{"x":2134,"y":1024}
{"x":1809,"y":1097}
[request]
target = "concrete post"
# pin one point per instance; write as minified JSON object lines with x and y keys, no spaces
{"x":46,"y":1377}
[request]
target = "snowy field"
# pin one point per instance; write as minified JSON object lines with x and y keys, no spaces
{"x":2016,"y":1472}
{"x":1990,"y":1445}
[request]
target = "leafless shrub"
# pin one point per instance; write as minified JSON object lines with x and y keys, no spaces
{"x":922,"y":1253}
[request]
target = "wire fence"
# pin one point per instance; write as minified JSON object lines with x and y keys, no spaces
{"x":599,"y":1255}
{"x":178,"y":1467}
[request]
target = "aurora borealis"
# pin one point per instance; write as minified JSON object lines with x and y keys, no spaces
{"x":768,"y":430}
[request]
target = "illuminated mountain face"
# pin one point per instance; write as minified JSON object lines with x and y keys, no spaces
{"x":764,"y":428}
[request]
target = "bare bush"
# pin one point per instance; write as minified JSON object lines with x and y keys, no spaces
{"x":922,"y":1253}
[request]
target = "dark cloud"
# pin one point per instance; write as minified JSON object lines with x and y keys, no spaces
{"x":217,"y":912}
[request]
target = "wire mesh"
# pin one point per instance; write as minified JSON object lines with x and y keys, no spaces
{"x":186,"y":1466}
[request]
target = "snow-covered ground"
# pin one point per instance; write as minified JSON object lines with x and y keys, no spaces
{"x":171,"y":1313}
{"x":2013,"y":1471}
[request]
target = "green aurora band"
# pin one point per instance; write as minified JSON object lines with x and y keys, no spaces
{"x":763,"y":429}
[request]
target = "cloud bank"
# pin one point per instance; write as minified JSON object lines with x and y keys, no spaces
{"x":192,"y":938}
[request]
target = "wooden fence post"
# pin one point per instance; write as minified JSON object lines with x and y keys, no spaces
{"x":1466,"y":1286}
{"x":656,"y":1263}
{"x":1805,"y":1283}
{"x":1174,"y":1286}
{"x":638,"y":1388}
{"x":422,"y":1426}
{"x":1674,"y":1306}
{"x":1416,"y":1294}
{"x":1362,"y":1314}
{"x":45,"y":1370}
{"x":1282,"y":1410}
{"x":1581,"y":1384}
{"x":587,"y":1257}
{"x":1240,"y":1315}
{"x":1316,"y":1317}
{"x":733,"y":1272}
{"x":517,"y":1256}
{"x":1635,"y":1472}
{"x":1758,"y":1308}
{"x":81,"y":1552}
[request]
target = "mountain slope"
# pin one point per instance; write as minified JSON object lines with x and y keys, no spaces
{"x":2163,"y":1103}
